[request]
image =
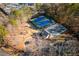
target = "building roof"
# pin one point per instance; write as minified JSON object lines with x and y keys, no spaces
{"x":8,"y":6}
{"x":56,"y":29}
{"x":30,"y":4}
{"x":42,"y":21}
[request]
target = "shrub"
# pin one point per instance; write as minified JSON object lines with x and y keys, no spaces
{"x":3,"y":33}
{"x":13,"y":22}
{"x":17,"y":12}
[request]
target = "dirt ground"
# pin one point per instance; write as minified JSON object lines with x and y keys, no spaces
{"x":19,"y":34}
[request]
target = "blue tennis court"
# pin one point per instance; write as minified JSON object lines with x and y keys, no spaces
{"x":41,"y":21}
